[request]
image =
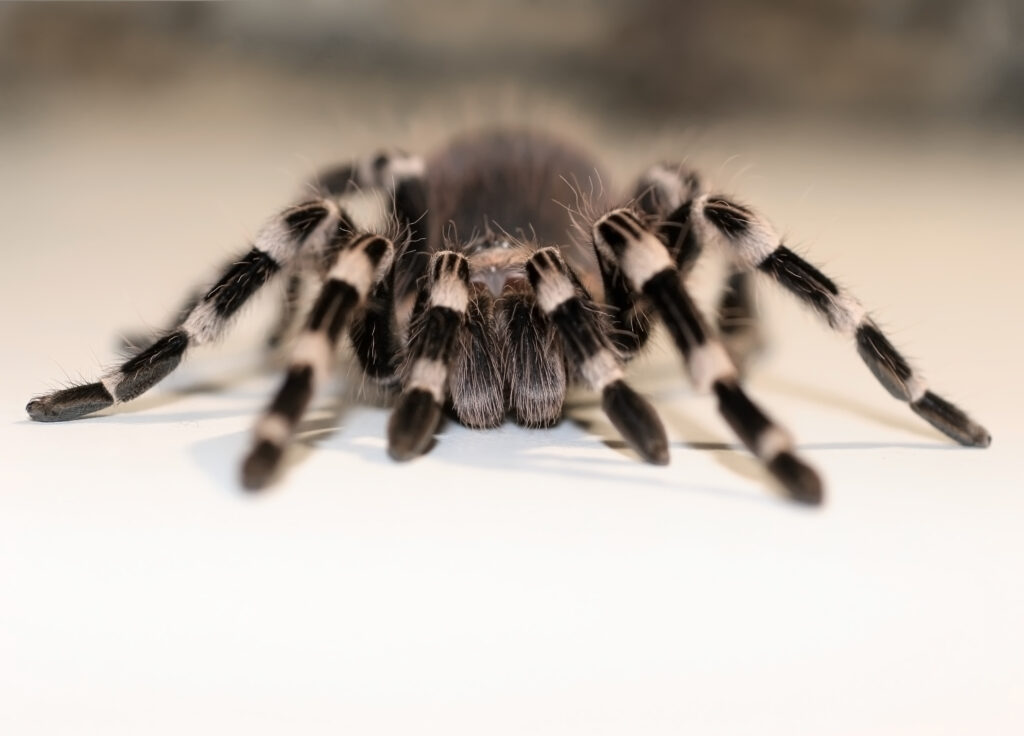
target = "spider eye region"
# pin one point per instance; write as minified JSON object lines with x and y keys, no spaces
{"x":496,"y":265}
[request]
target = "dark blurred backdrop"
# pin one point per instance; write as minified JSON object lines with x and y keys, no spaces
{"x":959,"y":59}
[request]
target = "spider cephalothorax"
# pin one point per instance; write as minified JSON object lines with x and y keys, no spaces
{"x":484,"y":294}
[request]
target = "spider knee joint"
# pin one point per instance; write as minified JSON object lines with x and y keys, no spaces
{"x":449,"y":281}
{"x":639,"y":253}
{"x":549,"y":278}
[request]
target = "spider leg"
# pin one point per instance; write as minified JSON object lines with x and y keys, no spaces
{"x":664,"y":195}
{"x":398,"y":173}
{"x":754,"y":246}
{"x":391,"y":307}
{"x":373,"y":317}
{"x":375,"y":330}
{"x":274,"y":247}
{"x":629,"y":311}
{"x":138,"y":340}
{"x":591,"y":354}
{"x":372,"y":334}
{"x":360,"y":263}
{"x":403,"y":176}
{"x":434,"y":333}
{"x":647,"y":265}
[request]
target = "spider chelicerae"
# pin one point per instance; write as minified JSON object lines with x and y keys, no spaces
{"x":486,"y":294}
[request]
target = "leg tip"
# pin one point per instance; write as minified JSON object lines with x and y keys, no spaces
{"x":44,"y":409}
{"x":70,"y":403}
{"x":260,"y":465}
{"x":968,"y":433}
{"x":412,"y":425}
{"x":658,"y":456}
{"x":802,"y":482}
{"x":637,"y":422}
{"x":981,"y":438}
{"x":951,"y":420}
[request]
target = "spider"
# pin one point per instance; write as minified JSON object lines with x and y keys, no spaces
{"x":487,"y":296}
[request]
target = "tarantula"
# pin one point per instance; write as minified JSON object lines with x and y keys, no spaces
{"x":487,"y":295}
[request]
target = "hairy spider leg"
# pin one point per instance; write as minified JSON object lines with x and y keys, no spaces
{"x":589,"y":351}
{"x":275,"y":246}
{"x":755,"y":247}
{"x":376,"y":330}
{"x":438,"y":319}
{"x":661,"y":196}
{"x":649,"y":269}
{"x":403,"y":176}
{"x":360,"y":262}
{"x":664,"y":195}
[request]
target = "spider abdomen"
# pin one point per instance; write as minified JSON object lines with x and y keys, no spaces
{"x":516,"y":182}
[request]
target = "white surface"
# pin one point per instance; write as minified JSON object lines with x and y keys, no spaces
{"x":511,"y":581}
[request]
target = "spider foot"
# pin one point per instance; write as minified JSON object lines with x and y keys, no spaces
{"x":70,"y":403}
{"x":802,"y":482}
{"x":261,"y":464}
{"x":951,"y":420}
{"x":636,"y":421}
{"x":412,"y":425}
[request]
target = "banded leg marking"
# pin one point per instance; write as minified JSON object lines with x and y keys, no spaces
{"x":754,"y":246}
{"x":275,"y":246}
{"x":373,"y":335}
{"x":433,"y":336}
{"x":359,"y":265}
{"x":665,"y":194}
{"x":590,"y":353}
{"x":402,"y":175}
{"x":648,"y":267}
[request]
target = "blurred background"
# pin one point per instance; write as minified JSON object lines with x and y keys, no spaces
{"x":512,"y":581}
{"x":646,"y":59}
